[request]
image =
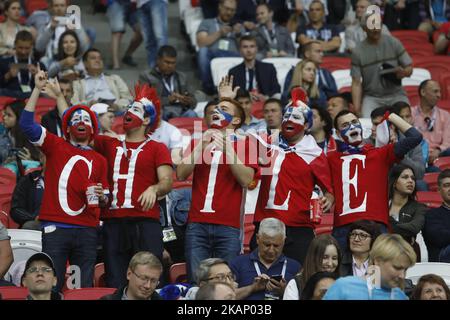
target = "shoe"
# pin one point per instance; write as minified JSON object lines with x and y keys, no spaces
{"x":129,"y":61}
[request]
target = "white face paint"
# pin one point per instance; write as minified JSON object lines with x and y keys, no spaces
{"x":81,"y":116}
{"x":295,"y":115}
{"x":353,"y":135}
{"x":137,"y":109}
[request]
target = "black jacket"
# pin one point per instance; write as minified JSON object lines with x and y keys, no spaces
{"x":266,"y":77}
{"x":436,"y":231}
{"x":24,"y":205}
{"x":411,"y":220}
{"x":51,"y":121}
{"x":119,"y":294}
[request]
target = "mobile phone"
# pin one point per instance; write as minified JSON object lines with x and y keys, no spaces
{"x":277,"y":277}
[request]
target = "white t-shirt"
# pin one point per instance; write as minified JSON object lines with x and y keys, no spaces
{"x":291,"y":291}
{"x":169,"y":135}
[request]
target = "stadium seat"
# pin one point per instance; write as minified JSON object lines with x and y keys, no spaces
{"x":412,"y":92}
{"x":418,"y":75}
{"x":178,"y":273}
{"x":437,"y":65}
{"x":423,"y":248}
{"x":7,"y":177}
{"x":257,"y":109}
{"x":442,"y":163}
{"x":282,"y":65}
{"x":88,"y":293}
{"x":6,"y":100}
{"x":423,"y":268}
{"x":410,"y":36}
{"x":221,"y":66}
{"x":99,"y":275}
{"x":34,"y":5}
{"x":417,"y":49}
{"x":335,"y":63}
{"x":14,"y":293}
{"x":6,"y":192}
{"x":342,"y":77}
{"x":249,"y":229}
{"x":430,"y":198}
{"x":444,"y":82}
{"x":431,"y":180}
{"x":444,"y":104}
{"x":188,"y":124}
{"x":4,"y":219}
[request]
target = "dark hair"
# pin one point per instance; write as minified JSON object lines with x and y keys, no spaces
{"x":399,"y":106}
{"x":378,"y":112}
{"x":422,"y":85}
{"x":23,"y":35}
{"x":341,"y":114}
{"x":86,"y":54}
{"x":8,"y":4}
{"x":394,"y":174}
{"x":444,"y":174}
{"x":167,"y":51}
{"x":265,"y":4}
{"x":310,"y":286}
{"x":214,"y":102}
{"x":65,"y":81}
{"x":324,"y":116}
{"x":247,"y":37}
{"x":308,"y":47}
{"x":274,"y":100}
{"x":241,"y":93}
{"x":368,"y":226}
{"x":317,"y":1}
{"x":61,"y":54}
{"x":344,"y":99}
{"x":429,"y":278}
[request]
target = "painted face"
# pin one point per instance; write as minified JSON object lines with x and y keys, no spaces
{"x":294,"y":121}
{"x":220,"y":119}
{"x":351,"y":132}
{"x":134,"y":117}
{"x":80,"y":125}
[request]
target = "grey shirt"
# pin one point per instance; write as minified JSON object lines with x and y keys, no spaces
{"x":279,"y":40}
{"x":3,"y":233}
{"x":367,"y":60}
{"x":227,"y":42}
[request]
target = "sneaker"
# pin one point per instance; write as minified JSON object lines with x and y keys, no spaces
{"x":129,"y":61}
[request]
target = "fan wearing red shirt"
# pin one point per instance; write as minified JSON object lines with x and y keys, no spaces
{"x":69,"y":223}
{"x":220,"y":177}
{"x":298,"y":164}
{"x":140,"y":171}
{"x":359,"y":172}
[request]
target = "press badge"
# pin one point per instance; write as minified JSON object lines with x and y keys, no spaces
{"x":274,"y":51}
{"x":25,"y":88}
{"x":270,"y":296}
{"x":224,"y":44}
{"x":169,"y":234}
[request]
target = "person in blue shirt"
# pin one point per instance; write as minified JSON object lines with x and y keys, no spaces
{"x":389,"y":259}
{"x":264,"y":273}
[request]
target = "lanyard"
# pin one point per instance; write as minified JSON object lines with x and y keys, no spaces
{"x":169,"y":86}
{"x":432,"y":120}
{"x":125,"y":150}
{"x":271,"y":39}
{"x":228,"y":35}
{"x":19,"y":74}
{"x":283,"y":271}
{"x":254,"y":85}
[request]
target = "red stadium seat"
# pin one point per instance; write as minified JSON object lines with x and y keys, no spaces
{"x":99,"y":275}
{"x":4,"y":219}
{"x":257,"y":109}
{"x":249,"y":229}
{"x":178,"y":273}
{"x":34,"y":5}
{"x":14,"y":293}
{"x":88,"y":293}
{"x":419,"y":49}
{"x":444,"y":104}
{"x":336,"y":63}
{"x":188,"y":123}
{"x":7,"y":177}
{"x":431,"y":180}
{"x":444,"y":82}
{"x":5,"y":197}
{"x":429,"y":198}
{"x":412,"y":92}
{"x":442,"y":163}
{"x":410,"y":36}
{"x":437,"y":65}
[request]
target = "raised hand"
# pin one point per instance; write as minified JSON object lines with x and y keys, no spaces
{"x":40,"y":78}
{"x":226,"y":88}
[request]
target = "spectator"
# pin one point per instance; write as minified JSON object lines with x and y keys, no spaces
{"x":380,"y":62}
{"x":52,"y":119}
{"x":69,"y":226}
{"x":143,"y":274}
{"x":216,"y":291}
{"x":322,"y":129}
{"x":389,"y":258}
{"x":251,"y":123}
{"x":354,"y":33}
{"x":434,"y":15}
{"x":369,"y":180}
{"x":273,"y":114}
{"x":257,"y":77}
{"x":6,"y":255}
{"x":436,"y":231}
{"x":432,"y":121}
{"x":264,"y":273}
{"x":11,"y":26}
{"x":323,"y":255}
{"x":51,"y":27}
{"x":317,"y":285}
{"x":14,"y":145}
{"x":99,"y":87}
{"x":209,"y":215}
{"x":327,"y":35}
{"x":402,"y":14}
{"x":431,"y":287}
{"x":105,"y":117}
{"x":441,"y":44}
{"x":217,"y":37}
{"x":68,"y":63}
{"x":120,"y":12}
{"x":336,"y":104}
{"x":360,"y":238}
{"x":153,"y":20}
{"x":132,"y":221}
{"x":172,"y":86}
{"x":17,"y":72}
{"x":273,"y":40}
{"x":406,"y":215}
{"x":39,"y":278}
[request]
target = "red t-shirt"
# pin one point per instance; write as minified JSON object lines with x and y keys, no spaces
{"x":285,"y":194}
{"x":216,"y":194}
{"x":360,"y":183}
{"x":68,"y":172}
{"x":130,"y":177}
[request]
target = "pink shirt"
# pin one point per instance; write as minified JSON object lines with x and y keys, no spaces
{"x":439,"y":136}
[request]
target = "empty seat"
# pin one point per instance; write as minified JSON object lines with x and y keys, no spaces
{"x":88,"y":293}
{"x":410,"y":35}
{"x":221,"y":66}
{"x":178,"y":273}
{"x":412,"y":92}
{"x":431,"y":180}
{"x":430,"y":198}
{"x":335,"y":63}
{"x":444,"y":82}
{"x":442,"y":163}
{"x":99,"y":275}
{"x":343,"y":78}
{"x":437,"y":65}
{"x":282,"y":65}
{"x":417,"y":77}
{"x":423,"y":268}
{"x":13,"y":293}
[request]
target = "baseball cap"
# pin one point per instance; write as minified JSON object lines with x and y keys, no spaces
{"x":100,"y":108}
{"x":40,"y":256}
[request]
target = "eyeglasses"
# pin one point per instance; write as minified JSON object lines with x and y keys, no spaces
{"x":146,"y":279}
{"x":362,"y":236}
{"x":39,"y":269}
{"x":223,"y":277}
{"x":430,"y":124}
{"x":347,"y":125}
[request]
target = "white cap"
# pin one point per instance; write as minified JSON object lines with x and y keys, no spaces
{"x":100,"y":108}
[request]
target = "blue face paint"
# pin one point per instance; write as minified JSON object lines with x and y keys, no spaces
{"x":354,"y":140}
{"x":220,"y":119}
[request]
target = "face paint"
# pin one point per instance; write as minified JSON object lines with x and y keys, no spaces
{"x":220,"y":119}
{"x":80,"y":126}
{"x":134,"y":117}
{"x":293,"y":122}
{"x":353,"y":134}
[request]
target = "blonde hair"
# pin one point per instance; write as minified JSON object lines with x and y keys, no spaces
{"x":297,"y":79}
{"x":388,"y":247}
{"x":145,"y":258}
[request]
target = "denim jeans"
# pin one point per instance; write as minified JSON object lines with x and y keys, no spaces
{"x":204,"y":57}
{"x":204,"y":240}
{"x":153,"y":21}
{"x":78,"y":246}
{"x":341,"y":235}
{"x":120,"y":12}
